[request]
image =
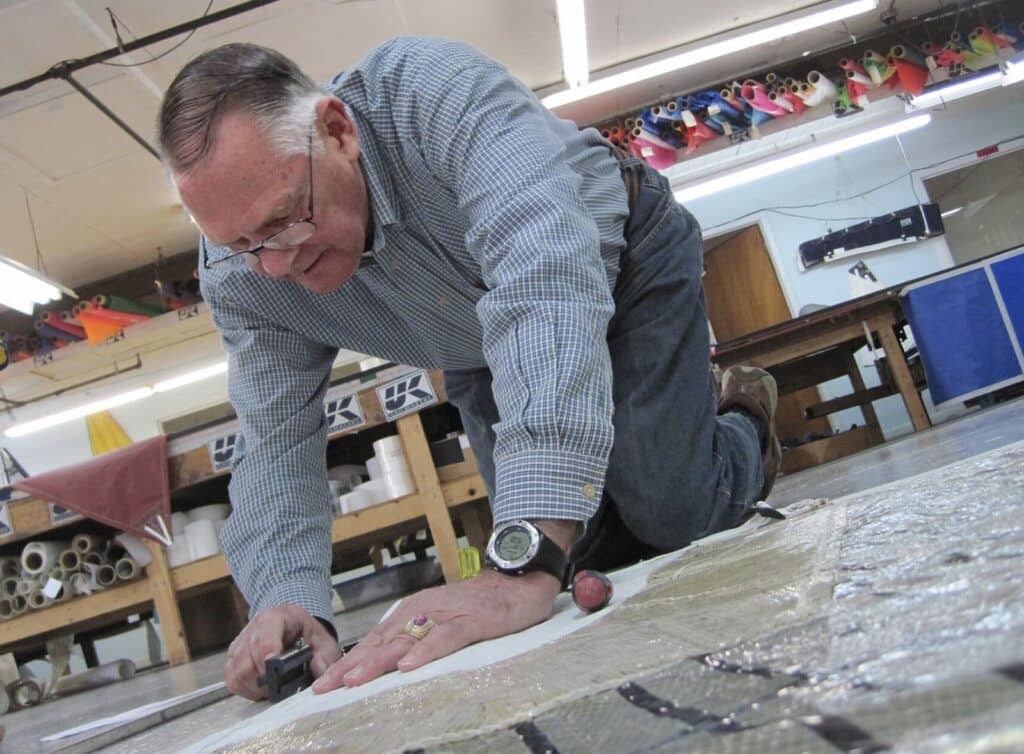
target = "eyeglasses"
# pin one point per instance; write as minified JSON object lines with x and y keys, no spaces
{"x":288,"y":237}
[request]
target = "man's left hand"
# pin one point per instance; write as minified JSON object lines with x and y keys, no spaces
{"x":485,"y":607}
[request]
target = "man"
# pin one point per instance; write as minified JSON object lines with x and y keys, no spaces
{"x":427,"y":209}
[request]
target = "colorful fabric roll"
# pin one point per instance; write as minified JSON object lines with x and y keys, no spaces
{"x":911,"y":77}
{"x":126,"y":305}
{"x":56,"y":321}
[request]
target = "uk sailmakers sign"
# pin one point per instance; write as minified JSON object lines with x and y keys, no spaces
{"x":406,"y":395}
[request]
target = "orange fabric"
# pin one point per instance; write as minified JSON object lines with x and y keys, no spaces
{"x":97,"y":329}
{"x":125,"y":488}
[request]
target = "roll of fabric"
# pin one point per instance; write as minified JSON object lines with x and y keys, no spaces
{"x":796,"y":101}
{"x":58,"y":322}
{"x":126,"y":569}
{"x":70,"y":561}
{"x":106,"y":575}
{"x":758,"y":98}
{"x":907,"y":53}
{"x":83,"y":543}
{"x":389,"y":446}
{"x":19,"y":604}
{"x":178,"y":523}
{"x":780,"y":100}
{"x":179,"y":553}
{"x":373,"y":468}
{"x":93,"y":678}
{"x":41,"y":557}
{"x":27,"y":692}
{"x":398,"y":484}
{"x":93,"y":557}
{"x":6,"y":612}
{"x":213,"y":512}
{"x":912,"y":77}
{"x":8,"y":587}
{"x":822,"y":89}
{"x":37,"y":600}
{"x":202,"y":539}
{"x":125,"y":305}
{"x":10,"y":566}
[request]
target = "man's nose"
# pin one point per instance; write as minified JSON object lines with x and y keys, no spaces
{"x":277,"y":263}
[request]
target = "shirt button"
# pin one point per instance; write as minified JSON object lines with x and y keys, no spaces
{"x":589,"y":491}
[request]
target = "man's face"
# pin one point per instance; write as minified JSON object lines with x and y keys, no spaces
{"x":243,"y":191}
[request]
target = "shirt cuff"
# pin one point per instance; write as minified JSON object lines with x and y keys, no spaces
{"x":547,"y":484}
{"x":316,"y":601}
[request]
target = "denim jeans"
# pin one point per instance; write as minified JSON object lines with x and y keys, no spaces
{"x":677,"y":471}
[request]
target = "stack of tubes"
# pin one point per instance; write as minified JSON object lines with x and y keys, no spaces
{"x":86,"y":564}
{"x":94,"y":321}
{"x":661,"y":133}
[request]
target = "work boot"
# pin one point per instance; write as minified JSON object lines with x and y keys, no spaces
{"x":754,"y":390}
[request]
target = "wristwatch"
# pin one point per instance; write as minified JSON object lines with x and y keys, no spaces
{"x":518,"y":547}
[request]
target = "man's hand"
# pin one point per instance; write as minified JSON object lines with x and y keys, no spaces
{"x":465,"y":612}
{"x":270,"y":633}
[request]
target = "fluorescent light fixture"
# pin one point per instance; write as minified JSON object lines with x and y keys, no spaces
{"x":190,"y":377}
{"x":78,"y":412}
{"x":957,"y":89}
{"x":572,"y":27}
{"x":121,"y":399}
{"x":1013,"y":70}
{"x":951,"y":212}
{"x":22,"y":287}
{"x":799,"y":157}
{"x":727,"y":44}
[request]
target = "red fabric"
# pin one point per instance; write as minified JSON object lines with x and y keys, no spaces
{"x":126,"y":488}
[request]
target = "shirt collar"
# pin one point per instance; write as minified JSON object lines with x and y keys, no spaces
{"x":381,"y":189}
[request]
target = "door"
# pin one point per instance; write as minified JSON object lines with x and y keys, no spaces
{"x":743,"y":295}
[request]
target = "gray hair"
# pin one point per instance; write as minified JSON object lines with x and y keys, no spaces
{"x":235,"y":78}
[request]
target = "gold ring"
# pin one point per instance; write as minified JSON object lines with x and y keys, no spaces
{"x":419,"y":626}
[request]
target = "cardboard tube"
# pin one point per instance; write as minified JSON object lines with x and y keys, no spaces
{"x":27,"y":692}
{"x":823,"y":84}
{"x":83,"y":543}
{"x":101,"y":675}
{"x":81,"y":584}
{"x":25,"y":586}
{"x":93,"y":557}
{"x":9,"y":587}
{"x":105,"y":575}
{"x":126,"y":569}
{"x":905,"y":52}
{"x":6,"y":610}
{"x":37,"y":600}
{"x":41,"y":557}
{"x":781,"y":101}
{"x":70,"y":561}
{"x":19,"y":604}
{"x":10,"y":566}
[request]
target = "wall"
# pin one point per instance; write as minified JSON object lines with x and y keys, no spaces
{"x":843,"y":186}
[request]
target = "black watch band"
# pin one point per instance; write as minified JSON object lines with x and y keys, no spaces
{"x":544,"y":554}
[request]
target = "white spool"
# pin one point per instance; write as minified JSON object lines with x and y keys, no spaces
{"x":348,"y":474}
{"x":178,"y":553}
{"x":372,"y":469}
{"x":126,"y":569}
{"x":214,"y":512}
{"x":83,"y":543}
{"x":37,"y":600}
{"x":376,"y":488}
{"x":356,"y":500}
{"x":202,"y":539}
{"x":178,"y":523}
{"x":398,"y":484}
{"x":10,"y":566}
{"x":41,"y":557}
{"x":393,"y":465}
{"x":81,"y":584}
{"x":70,"y":560}
{"x":389,"y":446}
{"x":105,"y":575}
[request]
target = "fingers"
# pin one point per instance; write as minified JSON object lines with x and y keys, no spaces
{"x":443,"y":640}
{"x":375,"y":655}
{"x":265,"y":636}
{"x":325,"y":648}
{"x":240,"y":673}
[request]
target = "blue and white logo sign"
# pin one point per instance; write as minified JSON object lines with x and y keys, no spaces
{"x":6,"y":529}
{"x":406,"y":395}
{"x":222,"y":451}
{"x":343,"y":413}
{"x":59,"y":513}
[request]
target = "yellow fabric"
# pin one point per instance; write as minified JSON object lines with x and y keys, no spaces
{"x":105,"y":434}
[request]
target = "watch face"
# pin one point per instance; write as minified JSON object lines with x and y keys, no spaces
{"x":513,"y":544}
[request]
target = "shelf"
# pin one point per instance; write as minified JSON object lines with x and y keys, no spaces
{"x":191,"y":461}
{"x":99,"y":608}
{"x":63,"y":368}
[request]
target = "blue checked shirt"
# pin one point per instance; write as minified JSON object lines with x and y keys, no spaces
{"x":498,"y":230}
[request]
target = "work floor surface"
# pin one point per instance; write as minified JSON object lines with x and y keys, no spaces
{"x":875,"y":618}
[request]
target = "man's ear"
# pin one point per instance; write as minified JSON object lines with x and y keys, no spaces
{"x":337,"y":126}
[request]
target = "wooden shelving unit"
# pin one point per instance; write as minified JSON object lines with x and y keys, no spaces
{"x":441,"y":494}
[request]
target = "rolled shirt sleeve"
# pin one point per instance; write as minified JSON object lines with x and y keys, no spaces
{"x":278,"y":538}
{"x":546,"y":312}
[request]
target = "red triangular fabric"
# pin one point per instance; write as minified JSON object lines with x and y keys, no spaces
{"x":126,"y":488}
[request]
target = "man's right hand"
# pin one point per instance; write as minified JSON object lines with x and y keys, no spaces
{"x":270,"y":633}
